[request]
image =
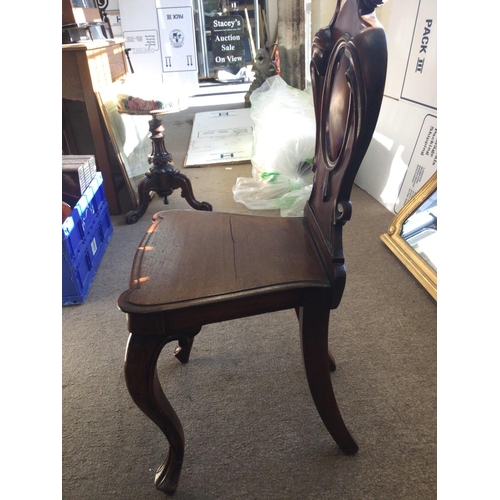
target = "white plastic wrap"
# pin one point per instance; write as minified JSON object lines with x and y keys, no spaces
{"x":284,"y":140}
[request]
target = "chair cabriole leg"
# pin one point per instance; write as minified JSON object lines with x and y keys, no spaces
{"x":142,"y":382}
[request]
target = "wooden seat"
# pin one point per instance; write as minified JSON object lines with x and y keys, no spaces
{"x":195,"y":268}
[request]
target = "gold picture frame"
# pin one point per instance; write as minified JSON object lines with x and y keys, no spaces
{"x":412,"y":235}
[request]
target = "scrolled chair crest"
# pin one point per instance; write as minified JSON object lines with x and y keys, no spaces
{"x":368,"y":6}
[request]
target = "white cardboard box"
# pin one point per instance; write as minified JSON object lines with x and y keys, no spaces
{"x":220,"y":138}
{"x":403,"y":152}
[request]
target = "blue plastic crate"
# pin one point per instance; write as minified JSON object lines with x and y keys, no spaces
{"x":79,"y":270}
{"x":83,"y":217}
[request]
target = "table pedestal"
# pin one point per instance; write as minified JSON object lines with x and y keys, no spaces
{"x":162,"y":178}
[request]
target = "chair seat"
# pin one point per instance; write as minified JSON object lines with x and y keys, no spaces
{"x":191,"y":259}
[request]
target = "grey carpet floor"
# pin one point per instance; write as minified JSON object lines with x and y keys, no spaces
{"x":251,"y":428}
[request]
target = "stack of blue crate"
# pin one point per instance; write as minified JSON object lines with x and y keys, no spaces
{"x":85,"y":236}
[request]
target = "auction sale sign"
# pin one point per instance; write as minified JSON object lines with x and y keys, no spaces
{"x":228,"y":46}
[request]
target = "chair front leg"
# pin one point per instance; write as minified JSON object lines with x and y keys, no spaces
{"x":144,"y":386}
{"x":313,"y":320}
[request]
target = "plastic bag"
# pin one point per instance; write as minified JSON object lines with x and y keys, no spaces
{"x":284,"y":140}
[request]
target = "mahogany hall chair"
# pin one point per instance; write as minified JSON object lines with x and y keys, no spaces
{"x":194,"y":268}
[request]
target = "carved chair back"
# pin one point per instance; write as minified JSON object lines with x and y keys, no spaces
{"x":348,"y":70}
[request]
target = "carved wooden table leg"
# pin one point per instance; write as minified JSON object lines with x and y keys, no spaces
{"x":182,"y":181}
{"x":147,"y":184}
{"x":162,"y":178}
{"x":142,"y":382}
{"x":317,"y":362}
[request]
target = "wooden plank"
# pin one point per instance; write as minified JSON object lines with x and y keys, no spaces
{"x":71,"y":83}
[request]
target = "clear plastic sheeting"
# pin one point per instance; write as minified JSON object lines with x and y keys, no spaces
{"x":284,"y":140}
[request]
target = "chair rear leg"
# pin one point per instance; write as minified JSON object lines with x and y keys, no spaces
{"x":183,"y":350}
{"x":333,"y":365}
{"x":313,"y":320}
{"x":331,"y":362}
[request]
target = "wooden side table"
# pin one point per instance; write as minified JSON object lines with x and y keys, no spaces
{"x":87,"y":67}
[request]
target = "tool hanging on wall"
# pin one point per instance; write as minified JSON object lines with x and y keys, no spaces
{"x":275,"y":57}
{"x":250,"y":36}
{"x":262,"y":31}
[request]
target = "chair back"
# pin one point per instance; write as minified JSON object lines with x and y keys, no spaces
{"x":348,"y":69}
